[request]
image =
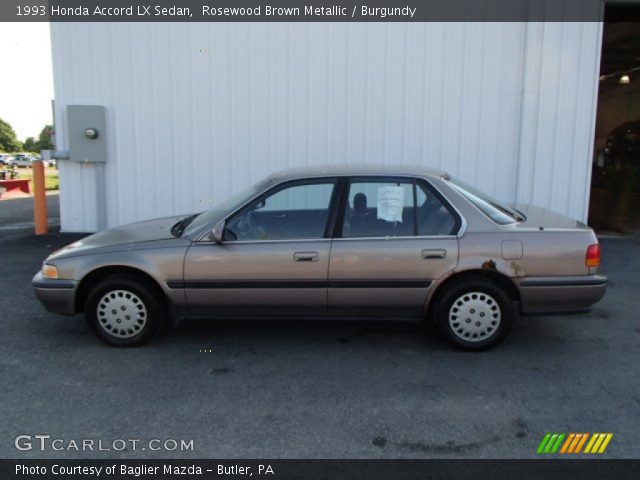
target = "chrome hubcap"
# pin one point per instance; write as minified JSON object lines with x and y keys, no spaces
{"x":121,"y":313}
{"x":474,"y":316}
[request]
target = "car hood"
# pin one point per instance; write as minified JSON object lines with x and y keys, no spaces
{"x":157,"y":229}
{"x":537,"y":217}
{"x":147,"y":231}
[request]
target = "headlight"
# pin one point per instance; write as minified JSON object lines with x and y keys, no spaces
{"x":49,"y":271}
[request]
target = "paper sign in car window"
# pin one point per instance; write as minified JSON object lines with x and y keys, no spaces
{"x":390,"y":203}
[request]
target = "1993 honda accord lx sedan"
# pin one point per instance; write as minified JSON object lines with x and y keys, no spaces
{"x":333,"y":242}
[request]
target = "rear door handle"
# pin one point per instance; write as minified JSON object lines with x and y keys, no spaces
{"x":305,"y":256}
{"x":433,"y":253}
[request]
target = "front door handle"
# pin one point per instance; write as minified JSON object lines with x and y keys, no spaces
{"x":433,"y":253}
{"x":305,"y":256}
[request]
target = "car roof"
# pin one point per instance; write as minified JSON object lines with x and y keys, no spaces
{"x":360,"y":170}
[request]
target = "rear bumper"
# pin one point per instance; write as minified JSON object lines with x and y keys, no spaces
{"x":556,"y":295}
{"x":57,"y":296}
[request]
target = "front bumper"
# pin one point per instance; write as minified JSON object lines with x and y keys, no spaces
{"x":57,"y":295}
{"x":555,"y":295}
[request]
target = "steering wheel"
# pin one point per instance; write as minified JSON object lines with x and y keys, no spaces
{"x":249,"y":226}
{"x":256,"y":225}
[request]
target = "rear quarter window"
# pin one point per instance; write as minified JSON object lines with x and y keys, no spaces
{"x":488,"y":205}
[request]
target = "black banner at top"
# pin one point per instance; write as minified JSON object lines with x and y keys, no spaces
{"x":301,"y":10}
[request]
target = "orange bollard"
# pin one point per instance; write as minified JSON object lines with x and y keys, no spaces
{"x":39,"y":198}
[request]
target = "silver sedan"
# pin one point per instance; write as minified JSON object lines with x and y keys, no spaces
{"x":333,"y":242}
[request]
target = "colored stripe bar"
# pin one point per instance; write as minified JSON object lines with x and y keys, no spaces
{"x":556,"y":446}
{"x":543,"y":443}
{"x":567,"y":443}
{"x":575,"y":442}
{"x":607,"y":439}
{"x":550,"y":443}
{"x":599,"y":441}
{"x":592,"y":441}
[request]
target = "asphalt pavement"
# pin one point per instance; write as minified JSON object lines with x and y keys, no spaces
{"x":16,"y":214}
{"x":302,"y":389}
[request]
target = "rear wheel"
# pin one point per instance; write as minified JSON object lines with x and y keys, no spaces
{"x":124,"y":310}
{"x":474,"y":313}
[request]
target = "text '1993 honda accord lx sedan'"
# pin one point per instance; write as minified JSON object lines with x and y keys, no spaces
{"x":333,"y":242}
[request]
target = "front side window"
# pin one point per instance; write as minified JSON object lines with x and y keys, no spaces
{"x":298,"y":211}
{"x":197,"y":222}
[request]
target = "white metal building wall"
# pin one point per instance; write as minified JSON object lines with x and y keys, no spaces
{"x":197,"y":111}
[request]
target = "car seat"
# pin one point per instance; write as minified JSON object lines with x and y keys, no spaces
{"x":359,"y":221}
{"x":434,"y":218}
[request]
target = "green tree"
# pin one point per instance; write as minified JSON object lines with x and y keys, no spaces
{"x":30,"y":145}
{"x":8,"y":139}
{"x":44,"y":139}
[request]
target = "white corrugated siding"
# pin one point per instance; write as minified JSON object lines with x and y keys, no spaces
{"x":198,"y":111}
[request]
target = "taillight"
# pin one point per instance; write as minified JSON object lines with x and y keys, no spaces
{"x":593,"y":256}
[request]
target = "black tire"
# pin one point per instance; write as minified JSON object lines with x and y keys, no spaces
{"x":470,"y":294}
{"x":140,"y":291}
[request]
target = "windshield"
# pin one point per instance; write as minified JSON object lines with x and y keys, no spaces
{"x":195,"y":223}
{"x":488,"y":205}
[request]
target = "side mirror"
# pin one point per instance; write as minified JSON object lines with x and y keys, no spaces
{"x":217,"y":231}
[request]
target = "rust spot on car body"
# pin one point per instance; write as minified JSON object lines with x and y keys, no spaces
{"x":489,"y":265}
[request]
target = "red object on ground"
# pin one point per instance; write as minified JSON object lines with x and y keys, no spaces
{"x":15,"y":188}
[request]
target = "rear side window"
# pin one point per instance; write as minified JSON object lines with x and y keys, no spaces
{"x":433,"y":216}
{"x":395,"y":208}
{"x":379,"y":209}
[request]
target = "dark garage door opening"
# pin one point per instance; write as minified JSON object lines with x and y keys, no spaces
{"x":615,"y":182}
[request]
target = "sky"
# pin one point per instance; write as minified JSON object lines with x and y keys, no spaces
{"x":26,"y":77}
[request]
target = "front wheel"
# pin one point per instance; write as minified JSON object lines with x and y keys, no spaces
{"x":474,"y":314}
{"x":124,"y":310}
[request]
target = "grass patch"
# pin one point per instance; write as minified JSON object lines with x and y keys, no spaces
{"x":50,"y":178}
{"x":51,"y":182}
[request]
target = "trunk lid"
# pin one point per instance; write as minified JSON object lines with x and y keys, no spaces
{"x":537,"y":217}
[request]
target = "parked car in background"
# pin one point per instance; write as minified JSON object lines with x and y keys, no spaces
{"x":47,"y":163}
{"x":25,"y":160}
{"x":5,"y":159}
{"x":22,"y":160}
{"x":386,"y":242}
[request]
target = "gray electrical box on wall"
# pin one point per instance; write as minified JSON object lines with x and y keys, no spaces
{"x":86,"y":126}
